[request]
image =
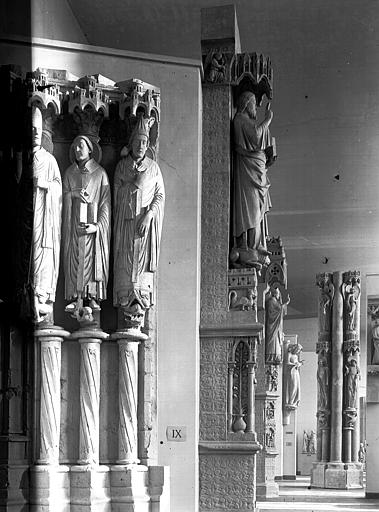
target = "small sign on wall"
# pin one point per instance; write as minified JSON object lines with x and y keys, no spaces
{"x":178,"y":434}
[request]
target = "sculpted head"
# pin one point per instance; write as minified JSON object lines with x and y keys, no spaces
{"x":82,"y":148}
{"x":36,"y":127}
{"x":139,"y":145}
{"x":247,"y":103}
{"x":139,"y":140}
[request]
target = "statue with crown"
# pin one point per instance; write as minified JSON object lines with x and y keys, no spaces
{"x":86,"y":223}
{"x":138,"y":214}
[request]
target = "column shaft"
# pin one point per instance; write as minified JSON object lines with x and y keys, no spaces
{"x":337,"y":372}
{"x":50,"y":405}
{"x":128,"y":382}
{"x":89,"y":401}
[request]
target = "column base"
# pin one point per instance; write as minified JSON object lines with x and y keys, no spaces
{"x":267,"y":490}
{"x":227,"y":473}
{"x":90,"y":489}
{"x":337,"y":475}
{"x":49,"y":488}
{"x":318,"y":474}
{"x":137,"y":488}
{"x":14,"y":487}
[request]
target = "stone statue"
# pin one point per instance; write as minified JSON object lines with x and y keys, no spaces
{"x":47,"y":207}
{"x":352,"y":374}
{"x":323,"y":382}
{"x":312,"y":442}
{"x":138,"y":215}
{"x":250,"y":182}
{"x":86,"y":228}
{"x":375,"y":340}
{"x":215,"y":68}
{"x":274,"y":308}
{"x":305,"y":442}
{"x":326,"y":300}
{"x":362,"y":453}
{"x":292,"y":376}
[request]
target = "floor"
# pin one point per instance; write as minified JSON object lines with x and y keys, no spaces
{"x":297,"y":496}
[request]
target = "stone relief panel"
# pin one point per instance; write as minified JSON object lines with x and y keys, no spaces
{"x":216,"y":169}
{"x":213,"y":389}
{"x":227,"y":482}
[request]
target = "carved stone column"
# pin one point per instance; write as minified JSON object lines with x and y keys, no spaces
{"x":49,"y":485}
{"x":89,"y":480}
{"x":351,"y":348}
{"x":338,"y":376}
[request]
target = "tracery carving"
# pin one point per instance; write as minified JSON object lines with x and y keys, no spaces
{"x":241,"y":384}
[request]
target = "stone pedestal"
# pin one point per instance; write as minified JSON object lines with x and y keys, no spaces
{"x":49,"y":488}
{"x":290,"y":447}
{"x":90,"y":489}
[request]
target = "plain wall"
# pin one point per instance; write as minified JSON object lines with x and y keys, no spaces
{"x":178,"y":276}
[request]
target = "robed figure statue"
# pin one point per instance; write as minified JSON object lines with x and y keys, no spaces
{"x":138,"y":215}
{"x":274,"y":311}
{"x":86,"y":227}
{"x":47,"y":212}
{"x":251,"y":201}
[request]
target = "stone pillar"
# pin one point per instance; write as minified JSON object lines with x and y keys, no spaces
{"x":290,"y":447}
{"x":233,"y":269}
{"x":270,"y":359}
{"x":337,"y":465}
{"x":49,"y":481}
{"x":89,"y":480}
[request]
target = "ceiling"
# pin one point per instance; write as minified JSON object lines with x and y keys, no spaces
{"x":325,"y":54}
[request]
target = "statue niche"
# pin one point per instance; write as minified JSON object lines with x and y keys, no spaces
{"x":138,"y":215}
{"x":254,"y":152}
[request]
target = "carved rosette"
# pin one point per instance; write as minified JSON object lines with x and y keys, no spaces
{"x":241,"y":384}
{"x":89,"y":401}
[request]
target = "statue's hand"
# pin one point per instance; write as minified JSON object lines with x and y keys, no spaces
{"x":87,"y":229}
{"x":41,"y":183}
{"x":144,"y":223}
